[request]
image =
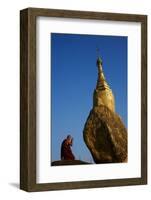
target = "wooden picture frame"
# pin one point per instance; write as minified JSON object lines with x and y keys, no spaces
{"x":28,"y":98}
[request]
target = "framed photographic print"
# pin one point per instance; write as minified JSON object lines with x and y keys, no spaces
{"x":83,"y":99}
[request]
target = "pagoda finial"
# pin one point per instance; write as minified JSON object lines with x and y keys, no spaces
{"x":99,"y":60}
{"x":98,"y":51}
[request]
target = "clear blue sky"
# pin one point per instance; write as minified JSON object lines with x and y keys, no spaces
{"x":73,"y":79}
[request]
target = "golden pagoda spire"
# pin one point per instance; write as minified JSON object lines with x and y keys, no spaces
{"x":102,"y":94}
{"x":101,"y":82}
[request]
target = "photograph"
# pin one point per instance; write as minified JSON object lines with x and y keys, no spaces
{"x":88,"y":99}
{"x":83,"y":99}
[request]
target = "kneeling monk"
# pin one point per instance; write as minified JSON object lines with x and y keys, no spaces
{"x":66,"y":152}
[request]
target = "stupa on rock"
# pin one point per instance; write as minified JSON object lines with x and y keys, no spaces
{"x":104,"y":132}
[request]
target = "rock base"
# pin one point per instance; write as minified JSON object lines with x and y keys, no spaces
{"x":106,"y":136}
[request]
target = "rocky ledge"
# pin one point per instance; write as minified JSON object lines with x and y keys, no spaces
{"x":68,"y":162}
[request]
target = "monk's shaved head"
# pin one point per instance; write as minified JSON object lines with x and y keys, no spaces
{"x":69,"y":137}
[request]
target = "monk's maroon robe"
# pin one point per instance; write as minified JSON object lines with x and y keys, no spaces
{"x":66,"y":152}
